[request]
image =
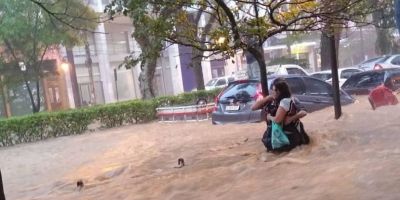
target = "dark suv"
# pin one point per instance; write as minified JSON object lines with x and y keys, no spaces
{"x":363,"y":83}
{"x":234,"y":103}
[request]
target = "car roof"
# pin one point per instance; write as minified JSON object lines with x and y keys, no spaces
{"x":321,"y":72}
{"x":272,"y":77}
{"x":391,"y":69}
{"x":284,"y":65}
{"x":340,"y":69}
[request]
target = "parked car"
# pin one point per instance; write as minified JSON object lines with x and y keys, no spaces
{"x":363,"y":83}
{"x":234,"y":103}
{"x":344,"y":74}
{"x":388,"y":62}
{"x":370,"y":63}
{"x":288,"y":69}
{"x":218,"y":82}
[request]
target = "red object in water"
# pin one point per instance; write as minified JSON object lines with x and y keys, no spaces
{"x":382,"y":96}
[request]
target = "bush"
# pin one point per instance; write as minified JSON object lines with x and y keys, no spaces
{"x":41,"y":126}
{"x":46,"y":125}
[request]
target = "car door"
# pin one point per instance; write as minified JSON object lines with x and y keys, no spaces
{"x":347,"y":73}
{"x":298,"y":90}
{"x":318,"y":94}
{"x":368,"y":82}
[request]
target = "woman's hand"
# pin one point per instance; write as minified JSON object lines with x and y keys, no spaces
{"x":270,"y":118}
{"x":260,"y":103}
{"x":295,"y":117}
{"x":301,"y":114}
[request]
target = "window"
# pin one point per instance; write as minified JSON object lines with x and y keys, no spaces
{"x":231,"y":79}
{"x":81,"y":51}
{"x":221,"y":82}
{"x":370,"y":80}
{"x":371,"y":60}
{"x":295,"y":71}
{"x":317,"y":88}
{"x":324,"y":76}
{"x":348,"y":72}
{"x":211,"y":82}
{"x":396,"y":60}
{"x":118,"y":42}
{"x":296,"y":86}
{"x":240,"y":90}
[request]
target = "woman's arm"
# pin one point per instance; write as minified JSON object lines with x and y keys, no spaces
{"x":295,"y":117}
{"x":261,"y":103}
{"x":279,"y":117}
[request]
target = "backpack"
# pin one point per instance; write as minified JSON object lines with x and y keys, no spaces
{"x":294,"y":131}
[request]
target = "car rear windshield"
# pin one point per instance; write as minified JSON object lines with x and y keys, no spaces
{"x":322,"y":76}
{"x":240,"y":90}
{"x":365,"y":80}
{"x":211,"y":82}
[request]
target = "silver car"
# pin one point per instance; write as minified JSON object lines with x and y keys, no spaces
{"x":371,"y":63}
{"x":234,"y":103}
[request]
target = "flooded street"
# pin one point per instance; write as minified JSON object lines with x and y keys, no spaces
{"x":356,"y":157}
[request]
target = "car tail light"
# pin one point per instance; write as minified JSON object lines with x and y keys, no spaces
{"x":378,"y":67}
{"x":216,"y":103}
{"x":258,"y":92}
{"x":217,"y":99}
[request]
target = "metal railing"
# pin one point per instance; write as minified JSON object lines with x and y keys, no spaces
{"x":185,"y":113}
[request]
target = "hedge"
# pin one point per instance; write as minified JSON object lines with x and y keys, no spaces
{"x":46,"y":125}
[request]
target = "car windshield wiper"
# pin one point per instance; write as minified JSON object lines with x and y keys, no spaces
{"x":231,"y":97}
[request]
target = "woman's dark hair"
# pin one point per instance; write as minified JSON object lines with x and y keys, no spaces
{"x":283,"y":88}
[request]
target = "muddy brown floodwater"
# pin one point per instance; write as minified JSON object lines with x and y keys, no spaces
{"x":356,"y":157}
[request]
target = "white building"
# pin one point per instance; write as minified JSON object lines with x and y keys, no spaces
{"x":111,"y":43}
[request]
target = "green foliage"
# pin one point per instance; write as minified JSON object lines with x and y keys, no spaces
{"x":46,"y":125}
{"x":28,"y":30}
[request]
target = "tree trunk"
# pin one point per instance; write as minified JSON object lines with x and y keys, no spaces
{"x":38,"y":95}
{"x":148,"y":69}
{"x":326,"y":58}
{"x":2,"y":196}
{"x":74,"y":79}
{"x":258,"y":54}
{"x":289,"y":50}
{"x":146,"y":77}
{"x":383,"y":45}
{"x":197,"y":56}
{"x":31,"y":97}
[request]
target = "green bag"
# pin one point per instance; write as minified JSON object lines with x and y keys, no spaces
{"x":278,"y":137}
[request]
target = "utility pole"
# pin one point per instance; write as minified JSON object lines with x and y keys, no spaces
{"x":90,"y":70}
{"x":335,"y":77}
{"x":116,"y":83}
